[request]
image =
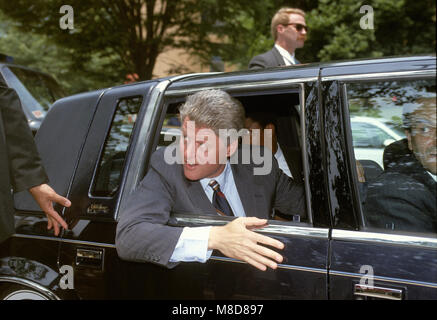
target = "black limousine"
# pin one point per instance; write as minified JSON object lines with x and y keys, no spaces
{"x":337,"y":124}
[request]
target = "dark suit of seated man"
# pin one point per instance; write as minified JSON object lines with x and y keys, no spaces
{"x":207,"y":177}
{"x":404,"y":196}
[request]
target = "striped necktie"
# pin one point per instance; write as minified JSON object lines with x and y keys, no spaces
{"x":219,"y":200}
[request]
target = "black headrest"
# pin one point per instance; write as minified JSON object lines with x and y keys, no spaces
{"x":394,"y":151}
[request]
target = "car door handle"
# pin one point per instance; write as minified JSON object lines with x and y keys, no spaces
{"x":90,"y":258}
{"x":377,"y":292}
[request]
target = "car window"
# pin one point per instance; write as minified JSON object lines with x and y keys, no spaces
{"x":394,"y":142}
{"x":282,"y":111}
{"x":111,"y":163}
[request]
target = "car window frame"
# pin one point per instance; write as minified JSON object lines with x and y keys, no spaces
{"x":246,"y":89}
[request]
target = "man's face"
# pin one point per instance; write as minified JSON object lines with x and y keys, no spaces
{"x":204,"y":152}
{"x":255,"y":130}
{"x":422,"y":139}
{"x":293,"y":34}
{"x":259,"y":135}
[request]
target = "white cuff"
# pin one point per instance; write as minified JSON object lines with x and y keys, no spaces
{"x":192,"y":245}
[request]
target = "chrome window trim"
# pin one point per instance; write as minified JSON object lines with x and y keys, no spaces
{"x":384,"y":238}
{"x":30,"y":284}
{"x":273,"y":84}
{"x":378,"y":75}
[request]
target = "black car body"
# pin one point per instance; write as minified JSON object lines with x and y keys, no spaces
{"x":96,"y":147}
{"x":37,"y":91}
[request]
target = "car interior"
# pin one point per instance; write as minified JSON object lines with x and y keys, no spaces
{"x":282,"y":107}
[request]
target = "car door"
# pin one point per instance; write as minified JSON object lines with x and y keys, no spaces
{"x":389,"y":252}
{"x":303,"y":274}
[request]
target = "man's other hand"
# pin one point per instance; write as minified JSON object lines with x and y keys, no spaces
{"x":236,"y":240}
{"x":44,"y":195}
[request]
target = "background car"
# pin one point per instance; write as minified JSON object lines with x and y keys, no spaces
{"x":371,"y":135}
{"x":37,"y":91}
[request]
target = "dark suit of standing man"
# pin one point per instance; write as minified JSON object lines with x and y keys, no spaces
{"x":144,"y":233}
{"x":289,"y":31}
{"x":20,"y":166}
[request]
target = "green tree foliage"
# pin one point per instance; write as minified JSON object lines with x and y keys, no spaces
{"x":113,"y":38}
{"x":40,"y":52}
{"x":401,"y":27}
{"x":135,"y":32}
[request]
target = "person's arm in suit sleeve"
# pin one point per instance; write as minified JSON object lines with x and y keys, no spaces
{"x":289,"y":195}
{"x":26,"y":170}
{"x":142,"y":231}
{"x":257,"y":62}
{"x":24,"y":161}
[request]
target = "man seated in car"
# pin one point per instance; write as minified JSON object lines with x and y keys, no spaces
{"x":263,"y":132}
{"x":404,"y":196}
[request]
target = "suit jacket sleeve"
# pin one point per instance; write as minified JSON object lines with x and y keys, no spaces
{"x":258,"y":62}
{"x":142,"y":231}
{"x":25,"y":166}
{"x":289,"y":194}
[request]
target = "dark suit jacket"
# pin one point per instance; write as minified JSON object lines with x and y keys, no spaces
{"x":143,"y":233}
{"x":403,"y":198}
{"x":271,"y":58}
{"x":20,"y":165}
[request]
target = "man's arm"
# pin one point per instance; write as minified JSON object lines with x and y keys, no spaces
{"x":26,"y":170}
{"x":142,"y":231}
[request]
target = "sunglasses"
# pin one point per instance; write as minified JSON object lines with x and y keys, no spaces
{"x":299,"y":27}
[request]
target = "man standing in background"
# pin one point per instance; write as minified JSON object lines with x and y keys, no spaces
{"x":289,"y":31}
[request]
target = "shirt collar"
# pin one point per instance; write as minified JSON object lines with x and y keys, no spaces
{"x":284,"y":53}
{"x":221,"y":179}
{"x":432,"y":176}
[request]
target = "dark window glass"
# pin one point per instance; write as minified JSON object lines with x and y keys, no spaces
{"x":393,"y":126}
{"x":44,"y":89}
{"x":111,"y":164}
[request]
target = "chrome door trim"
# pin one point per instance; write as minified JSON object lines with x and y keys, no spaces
{"x":384,"y":238}
{"x":274,"y":84}
{"x":384,"y":279}
{"x":377,"y":75}
{"x":63,"y":240}
{"x":278,"y":229}
{"x":280,"y":266}
{"x":30,"y":284}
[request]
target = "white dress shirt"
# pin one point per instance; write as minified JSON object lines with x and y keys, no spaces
{"x":193,"y":242}
{"x":282,"y":162}
{"x":288,"y":58}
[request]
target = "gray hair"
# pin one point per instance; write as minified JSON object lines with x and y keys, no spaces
{"x":213,"y":109}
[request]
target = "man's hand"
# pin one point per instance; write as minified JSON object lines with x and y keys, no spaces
{"x":235,"y":240}
{"x":44,"y":195}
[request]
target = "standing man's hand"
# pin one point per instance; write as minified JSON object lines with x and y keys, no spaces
{"x":44,"y":195}
{"x":235,"y":240}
